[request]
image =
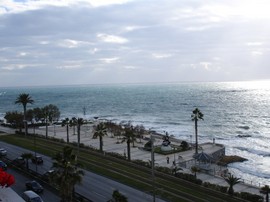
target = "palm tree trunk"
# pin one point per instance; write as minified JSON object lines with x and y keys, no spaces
{"x":196,"y":136}
{"x":128,"y":150}
{"x":100,"y":143}
{"x":46,"y":127}
{"x":67,"y":133}
{"x":24,"y":119}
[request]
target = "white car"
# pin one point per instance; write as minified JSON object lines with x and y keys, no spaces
{"x":3,"y":152}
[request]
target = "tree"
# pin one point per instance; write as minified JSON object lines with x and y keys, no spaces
{"x":265,"y":190}
{"x":66,"y":174}
{"x":196,"y":116}
{"x":231,"y":180}
{"x":100,"y":131}
{"x":27,"y":157}
{"x":15,"y":119}
{"x":66,"y":122}
{"x":129,"y":137}
{"x":50,"y":113}
{"x":78,"y":122}
{"x":24,"y":99}
{"x":195,"y":170}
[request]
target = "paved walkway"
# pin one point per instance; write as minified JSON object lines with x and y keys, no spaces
{"x":112,"y":144}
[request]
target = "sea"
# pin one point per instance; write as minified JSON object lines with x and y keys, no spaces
{"x":236,"y":114}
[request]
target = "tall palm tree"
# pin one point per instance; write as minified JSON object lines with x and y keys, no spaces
{"x":100,"y":131}
{"x":27,"y":157}
{"x":231,"y":180}
{"x":78,"y":122}
{"x":129,"y":137}
{"x":265,"y":190}
{"x":24,"y":99}
{"x":66,"y":174}
{"x":66,"y":122}
{"x":196,"y":116}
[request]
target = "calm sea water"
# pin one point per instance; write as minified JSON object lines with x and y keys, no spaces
{"x":230,"y":109}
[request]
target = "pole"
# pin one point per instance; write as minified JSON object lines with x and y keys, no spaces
{"x":153,"y":168}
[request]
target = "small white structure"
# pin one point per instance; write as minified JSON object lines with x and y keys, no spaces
{"x":9,"y":195}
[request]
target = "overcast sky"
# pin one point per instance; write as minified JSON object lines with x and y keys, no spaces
{"x":58,"y":42}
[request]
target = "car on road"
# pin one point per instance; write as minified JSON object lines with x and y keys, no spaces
{"x":37,"y":159}
{"x":3,"y":152}
{"x":34,"y":186}
{"x":30,"y":196}
{"x":20,"y":161}
{"x":3,"y":165}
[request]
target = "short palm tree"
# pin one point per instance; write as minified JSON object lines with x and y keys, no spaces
{"x":196,"y":116}
{"x":195,"y":170}
{"x":24,"y":99}
{"x":100,"y":131}
{"x":65,"y":123}
{"x":66,"y":174}
{"x":265,"y":190}
{"x":27,"y":157}
{"x":231,"y":180}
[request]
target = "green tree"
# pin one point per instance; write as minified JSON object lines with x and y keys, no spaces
{"x":78,"y":122}
{"x":24,"y":99}
{"x":100,"y":131}
{"x":195,"y":170}
{"x":66,"y":123}
{"x":27,"y":157}
{"x":15,"y":119}
{"x":66,"y":174}
{"x":50,"y":113}
{"x":129,"y":137}
{"x":196,"y":116}
{"x":265,"y":190}
{"x":231,"y":180}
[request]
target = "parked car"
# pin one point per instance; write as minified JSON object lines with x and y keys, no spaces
{"x":3,"y":165}
{"x":30,"y":196}
{"x":34,"y":186}
{"x":20,"y":161}
{"x":37,"y":159}
{"x":3,"y":152}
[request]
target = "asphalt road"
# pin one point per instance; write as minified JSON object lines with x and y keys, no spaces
{"x":95,"y":187}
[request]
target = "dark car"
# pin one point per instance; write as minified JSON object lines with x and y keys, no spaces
{"x":3,"y":165}
{"x":20,"y":161}
{"x":34,"y":186}
{"x":37,"y":159}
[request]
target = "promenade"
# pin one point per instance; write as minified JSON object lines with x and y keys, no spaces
{"x":113,"y":144}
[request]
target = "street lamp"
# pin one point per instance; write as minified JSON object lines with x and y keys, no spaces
{"x":153,"y":168}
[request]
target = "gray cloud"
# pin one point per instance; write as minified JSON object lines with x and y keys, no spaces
{"x":134,"y":41}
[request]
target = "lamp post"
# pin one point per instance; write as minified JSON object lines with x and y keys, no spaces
{"x":153,"y":168}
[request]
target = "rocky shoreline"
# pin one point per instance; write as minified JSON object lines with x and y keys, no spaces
{"x":225,"y":160}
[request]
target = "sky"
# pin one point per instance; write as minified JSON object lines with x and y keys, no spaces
{"x":64,"y":42}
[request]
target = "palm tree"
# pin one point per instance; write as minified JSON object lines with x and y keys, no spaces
{"x":231,"y":180}
{"x":196,"y":116}
{"x":24,"y":99}
{"x":78,"y":122}
{"x":66,"y":174}
{"x":50,"y":113}
{"x":100,"y":131}
{"x":27,"y":157}
{"x":265,"y":190}
{"x":66,"y":122}
{"x":195,"y":170}
{"x":129,"y":137}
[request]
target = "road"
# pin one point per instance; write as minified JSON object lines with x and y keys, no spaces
{"x":94,"y":187}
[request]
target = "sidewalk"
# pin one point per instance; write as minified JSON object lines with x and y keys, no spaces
{"x":112,"y":144}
